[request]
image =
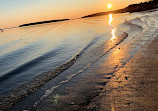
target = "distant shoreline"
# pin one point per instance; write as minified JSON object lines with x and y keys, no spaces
{"x":146,"y":6}
{"x":42,"y":22}
{"x":131,"y":8}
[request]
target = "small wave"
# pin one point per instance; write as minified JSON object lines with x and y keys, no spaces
{"x":139,"y":22}
{"x":27,"y":65}
{"x":134,"y":28}
{"x":131,"y":28}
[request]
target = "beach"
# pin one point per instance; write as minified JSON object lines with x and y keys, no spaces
{"x":100,"y":63}
{"x":113,"y":71}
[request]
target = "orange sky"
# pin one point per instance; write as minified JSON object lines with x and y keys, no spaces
{"x":16,"y":12}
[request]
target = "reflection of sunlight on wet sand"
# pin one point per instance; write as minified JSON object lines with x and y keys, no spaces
{"x":114,"y":62}
{"x":113,"y":32}
{"x":110,"y":19}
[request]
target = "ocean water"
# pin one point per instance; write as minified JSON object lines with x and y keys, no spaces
{"x":27,"y":53}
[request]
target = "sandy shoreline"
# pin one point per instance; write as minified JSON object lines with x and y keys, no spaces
{"x":121,"y":79}
{"x":130,"y":85}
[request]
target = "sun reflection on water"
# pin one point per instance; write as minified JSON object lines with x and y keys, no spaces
{"x":110,"y":19}
{"x":113,"y":32}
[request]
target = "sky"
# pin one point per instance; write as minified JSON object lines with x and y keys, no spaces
{"x":16,"y":12}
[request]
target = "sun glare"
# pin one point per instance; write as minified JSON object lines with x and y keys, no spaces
{"x":113,"y":32}
{"x":110,"y":19}
{"x":109,"y":5}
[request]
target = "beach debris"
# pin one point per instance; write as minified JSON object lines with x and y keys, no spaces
{"x":2,"y":30}
{"x":128,"y":103}
{"x":119,"y":81}
{"x":126,"y":77}
{"x":72,"y":103}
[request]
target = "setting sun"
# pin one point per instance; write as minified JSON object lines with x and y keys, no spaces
{"x":109,"y":5}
